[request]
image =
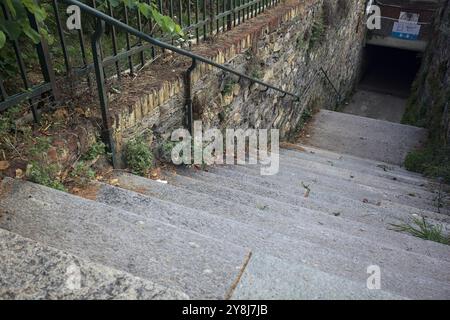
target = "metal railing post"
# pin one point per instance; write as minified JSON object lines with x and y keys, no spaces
{"x":100,"y":77}
{"x":327,"y":78}
{"x":188,"y":100}
{"x":44,"y":57}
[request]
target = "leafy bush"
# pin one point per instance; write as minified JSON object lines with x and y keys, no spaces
{"x":97,"y":149}
{"x":45,"y":175}
{"x":165,"y":151}
{"x":138,"y":156}
{"x":82,"y":173}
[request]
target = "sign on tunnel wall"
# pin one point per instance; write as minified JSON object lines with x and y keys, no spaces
{"x":407,"y":27}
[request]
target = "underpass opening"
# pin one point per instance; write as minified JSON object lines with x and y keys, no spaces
{"x":386,"y":82}
{"x":390,"y":70}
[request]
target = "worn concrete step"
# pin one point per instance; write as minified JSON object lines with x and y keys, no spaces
{"x":269,"y":278}
{"x":358,"y":126}
{"x":379,"y":169}
{"x":290,"y":177}
{"x":30,"y":270}
{"x":360,"y":136}
{"x":288,"y":220}
{"x":182,"y":260}
{"x":361,"y":163}
{"x":362,"y":147}
{"x":372,"y":213}
{"x":247,"y":198}
{"x":272,"y":243}
{"x":372,"y":179}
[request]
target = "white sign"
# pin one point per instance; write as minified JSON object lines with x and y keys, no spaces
{"x":407,"y":26}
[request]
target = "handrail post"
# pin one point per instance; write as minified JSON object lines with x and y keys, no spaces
{"x":100,"y":77}
{"x":339,"y":98}
{"x":188,"y":99}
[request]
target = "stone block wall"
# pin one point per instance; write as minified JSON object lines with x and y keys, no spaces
{"x":285,"y":47}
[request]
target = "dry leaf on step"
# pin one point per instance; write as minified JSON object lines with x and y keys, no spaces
{"x":4,"y":165}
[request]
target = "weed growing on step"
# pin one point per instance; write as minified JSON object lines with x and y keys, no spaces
{"x":422,"y":229}
{"x":138,"y":156}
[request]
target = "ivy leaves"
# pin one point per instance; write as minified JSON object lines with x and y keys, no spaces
{"x":12,"y":29}
{"x":19,"y":24}
{"x":166,"y":23}
{"x":2,"y":39}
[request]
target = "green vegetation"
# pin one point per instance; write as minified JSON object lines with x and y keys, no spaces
{"x":228,"y":86}
{"x":44,"y":174}
{"x":40,"y":147}
{"x":39,"y":170}
{"x":432,"y":161}
{"x":422,"y":229}
{"x":18,"y":28}
{"x":95,"y":150}
{"x":165,"y":151}
{"x":305,"y":117}
{"x":82,"y":173}
{"x":425,"y":108}
{"x":7,"y":118}
{"x":138,"y":156}
{"x":318,"y":31}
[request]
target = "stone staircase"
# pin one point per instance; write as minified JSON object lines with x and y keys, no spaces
{"x":309,"y":232}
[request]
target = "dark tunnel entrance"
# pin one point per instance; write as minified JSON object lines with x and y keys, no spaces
{"x":387,"y":78}
{"x":389,"y":70}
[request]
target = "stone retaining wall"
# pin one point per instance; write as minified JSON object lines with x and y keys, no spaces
{"x":284,"y":46}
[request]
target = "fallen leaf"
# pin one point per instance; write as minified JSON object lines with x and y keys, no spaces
{"x":19,"y":173}
{"x":76,"y":190}
{"x":4,"y":165}
{"x":114,"y":182}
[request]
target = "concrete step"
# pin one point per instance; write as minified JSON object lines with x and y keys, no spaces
{"x":358,"y":126}
{"x":181,"y":260}
{"x":361,"y":163}
{"x":331,"y":186}
{"x":279,"y":201}
{"x":379,"y":169}
{"x":269,"y":278}
{"x":378,"y":179}
{"x":319,"y":198}
{"x":364,"y":137}
{"x":31,"y":271}
{"x":362,"y":147}
{"x":288,"y":220}
{"x":272,"y":243}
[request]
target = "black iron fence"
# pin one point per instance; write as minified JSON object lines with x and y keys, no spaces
{"x":38,"y":74}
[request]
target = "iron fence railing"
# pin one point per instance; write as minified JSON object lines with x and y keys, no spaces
{"x":37,"y":73}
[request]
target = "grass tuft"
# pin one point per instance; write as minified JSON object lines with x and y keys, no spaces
{"x":420,"y":228}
